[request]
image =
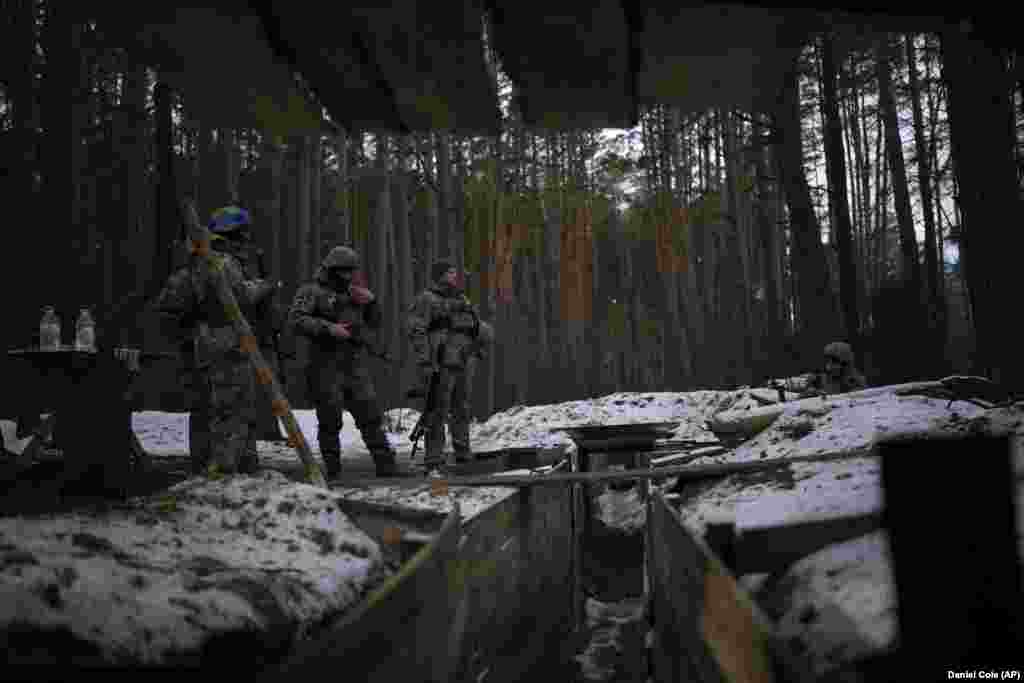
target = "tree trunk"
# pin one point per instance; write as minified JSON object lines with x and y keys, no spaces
{"x":911,"y":272}
{"x":341,"y":204}
{"x":836,"y":158}
{"x":315,"y":213}
{"x":132,"y":142}
{"x":167,"y":224}
{"x":736,"y":271}
{"x":772,"y":331}
{"x":444,"y":197}
{"x":457,"y":209}
{"x":817,"y":310}
{"x":705,"y":141}
{"x":931,"y":248}
{"x":983,"y":151}
{"x":62,"y":95}
{"x":300,"y":210}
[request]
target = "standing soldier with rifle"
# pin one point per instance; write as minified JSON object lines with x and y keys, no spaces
{"x":231,"y":229}
{"x":340,"y":319}
{"x":445,"y":334}
{"x":219,"y":379}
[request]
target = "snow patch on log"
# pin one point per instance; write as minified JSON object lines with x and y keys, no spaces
{"x":471,"y":500}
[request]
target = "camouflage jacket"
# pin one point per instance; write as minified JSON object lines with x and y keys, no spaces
{"x":317,"y":305}
{"x":822,"y":383}
{"x":442,"y":315}
{"x":193,"y":313}
{"x":265,"y":317}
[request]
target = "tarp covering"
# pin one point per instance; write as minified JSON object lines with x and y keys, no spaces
{"x":223,"y":64}
{"x":405,"y":65}
{"x":418,"y":65}
{"x":570,"y":61}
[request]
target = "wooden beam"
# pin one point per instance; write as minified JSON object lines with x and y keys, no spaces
{"x":685,"y":472}
{"x":966,"y":543}
{"x":770,"y":549}
{"x":706,"y":628}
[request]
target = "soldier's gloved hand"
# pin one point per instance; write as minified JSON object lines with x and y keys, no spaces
{"x":340,"y":330}
{"x":360,"y":295}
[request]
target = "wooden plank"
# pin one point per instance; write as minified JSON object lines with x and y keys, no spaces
{"x":770,"y":549}
{"x":706,"y":628}
{"x":683,"y":472}
{"x":510,"y":582}
{"x":686,"y":456}
{"x":967,"y":543}
{"x":398,"y":633}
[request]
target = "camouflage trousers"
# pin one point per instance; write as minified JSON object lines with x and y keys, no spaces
{"x":452,"y":408}
{"x":336,"y":386}
{"x":220,"y":399}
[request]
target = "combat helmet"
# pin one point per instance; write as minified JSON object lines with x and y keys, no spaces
{"x":840,"y":351}
{"x":342,"y":257}
{"x":228,"y":219}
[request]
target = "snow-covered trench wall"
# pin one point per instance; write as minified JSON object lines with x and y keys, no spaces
{"x":835,"y":604}
{"x":211,"y":573}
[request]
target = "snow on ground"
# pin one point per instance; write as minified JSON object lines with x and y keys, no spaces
{"x":517,"y":427}
{"x":840,"y":597}
{"x":152,"y":580}
{"x":839,"y":604}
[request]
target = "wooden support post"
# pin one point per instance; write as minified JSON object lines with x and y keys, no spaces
{"x":721,"y":538}
{"x":955,"y":559}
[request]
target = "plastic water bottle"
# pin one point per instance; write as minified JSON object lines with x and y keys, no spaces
{"x":49,"y":330}
{"x":85,"y":332}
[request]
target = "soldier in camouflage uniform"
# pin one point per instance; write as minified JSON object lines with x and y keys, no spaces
{"x":231,"y":228}
{"x":219,"y":380}
{"x":340,"y":319}
{"x":840,"y":376}
{"x":445,"y":333}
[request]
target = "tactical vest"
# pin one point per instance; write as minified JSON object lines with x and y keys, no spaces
{"x":454,"y":324}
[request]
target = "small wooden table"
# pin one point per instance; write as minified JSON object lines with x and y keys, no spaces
{"x":90,"y":391}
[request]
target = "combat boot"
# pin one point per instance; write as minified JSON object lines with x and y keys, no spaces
{"x":332,"y":463}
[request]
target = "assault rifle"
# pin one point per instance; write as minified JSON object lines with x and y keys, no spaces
{"x":429,"y":405}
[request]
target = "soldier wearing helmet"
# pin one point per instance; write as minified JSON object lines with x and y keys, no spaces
{"x":447,"y":337}
{"x":339,"y":318}
{"x":218,"y":378}
{"x":840,"y":374}
{"x":231,"y":229}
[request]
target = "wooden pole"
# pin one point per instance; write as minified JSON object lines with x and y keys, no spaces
{"x":684,"y":472}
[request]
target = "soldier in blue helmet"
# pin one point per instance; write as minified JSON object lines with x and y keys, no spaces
{"x":218,"y":377}
{"x":232,"y":234}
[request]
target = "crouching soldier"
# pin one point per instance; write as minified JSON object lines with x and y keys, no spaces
{"x":445,"y":334}
{"x":340,"y":318}
{"x":219,"y":381}
{"x":840,"y":376}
